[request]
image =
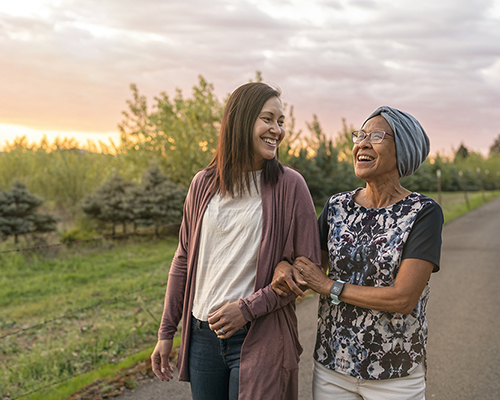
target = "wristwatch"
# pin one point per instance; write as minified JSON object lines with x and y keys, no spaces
{"x":336,"y":290}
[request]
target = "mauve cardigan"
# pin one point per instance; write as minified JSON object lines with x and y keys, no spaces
{"x":271,"y":350}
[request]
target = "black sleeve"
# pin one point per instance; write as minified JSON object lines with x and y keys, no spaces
{"x":323,"y":227}
{"x":424,"y":241}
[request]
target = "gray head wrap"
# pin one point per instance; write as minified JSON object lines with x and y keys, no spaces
{"x":412,"y":143}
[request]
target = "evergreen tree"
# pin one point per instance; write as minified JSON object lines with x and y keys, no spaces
{"x":344,"y":143}
{"x":318,"y":162}
{"x":43,"y":223}
{"x":461,"y":154}
{"x":495,"y":147}
{"x":18,"y":214}
{"x":109,"y":203}
{"x":157,"y":201}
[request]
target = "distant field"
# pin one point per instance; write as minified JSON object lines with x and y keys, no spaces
{"x":111,"y":297}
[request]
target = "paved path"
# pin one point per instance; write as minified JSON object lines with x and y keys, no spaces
{"x":463,"y":314}
{"x":463,"y":311}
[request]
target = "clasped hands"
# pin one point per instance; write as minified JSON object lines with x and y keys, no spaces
{"x":298,"y":277}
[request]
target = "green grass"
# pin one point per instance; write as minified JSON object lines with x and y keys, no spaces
{"x":454,"y":204}
{"x":65,"y":389}
{"x":112,"y":300}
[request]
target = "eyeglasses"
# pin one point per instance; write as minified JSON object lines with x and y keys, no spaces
{"x":374,"y":136}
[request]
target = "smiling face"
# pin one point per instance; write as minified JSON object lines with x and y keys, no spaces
{"x":376,"y":162}
{"x":268,"y":131}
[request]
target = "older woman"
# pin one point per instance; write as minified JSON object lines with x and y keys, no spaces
{"x":379,"y":245}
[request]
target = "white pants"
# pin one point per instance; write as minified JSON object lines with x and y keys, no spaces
{"x":331,"y":385}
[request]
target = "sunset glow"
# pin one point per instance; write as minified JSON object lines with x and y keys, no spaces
{"x":67,"y":65}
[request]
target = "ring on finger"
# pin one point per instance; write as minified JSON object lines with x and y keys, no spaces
{"x":221,"y":331}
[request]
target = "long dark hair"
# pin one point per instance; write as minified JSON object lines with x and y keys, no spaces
{"x":234,"y":158}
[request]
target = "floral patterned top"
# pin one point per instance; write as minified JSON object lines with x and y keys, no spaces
{"x":366,"y":247}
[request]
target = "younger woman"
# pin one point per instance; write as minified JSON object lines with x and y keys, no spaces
{"x":244,"y":213}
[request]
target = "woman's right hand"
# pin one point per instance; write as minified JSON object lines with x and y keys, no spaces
{"x":314,"y":277}
{"x":159,"y":360}
{"x":286,"y":279}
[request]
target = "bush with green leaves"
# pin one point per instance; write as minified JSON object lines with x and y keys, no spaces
{"x":180,"y":134}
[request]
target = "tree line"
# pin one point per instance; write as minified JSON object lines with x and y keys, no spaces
{"x":176,"y":137}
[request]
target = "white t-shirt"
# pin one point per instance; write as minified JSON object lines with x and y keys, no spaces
{"x":230,"y":237}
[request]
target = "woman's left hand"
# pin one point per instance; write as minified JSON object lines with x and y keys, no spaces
{"x":315,"y":277}
{"x":227,"y":320}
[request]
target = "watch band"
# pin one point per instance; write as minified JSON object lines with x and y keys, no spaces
{"x":336,"y":291}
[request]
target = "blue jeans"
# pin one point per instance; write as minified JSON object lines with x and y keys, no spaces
{"x":214,"y":364}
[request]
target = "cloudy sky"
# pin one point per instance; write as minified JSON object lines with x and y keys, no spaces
{"x":66,"y":65}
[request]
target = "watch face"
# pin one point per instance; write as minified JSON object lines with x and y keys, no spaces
{"x":336,"y":289}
